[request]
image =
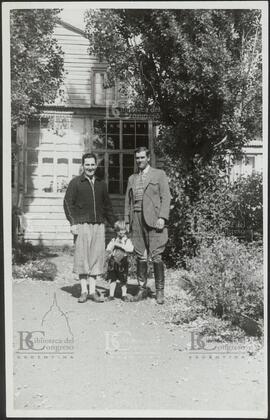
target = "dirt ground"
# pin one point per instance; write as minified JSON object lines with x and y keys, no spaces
{"x":119,"y":355}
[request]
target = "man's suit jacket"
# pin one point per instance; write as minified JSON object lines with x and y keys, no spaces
{"x":156,"y":197}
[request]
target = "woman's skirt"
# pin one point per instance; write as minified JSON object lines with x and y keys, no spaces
{"x":89,"y":249}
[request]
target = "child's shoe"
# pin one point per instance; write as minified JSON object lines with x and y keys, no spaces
{"x":125,"y":299}
{"x":110,"y":298}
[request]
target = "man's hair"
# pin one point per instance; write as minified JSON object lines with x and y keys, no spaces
{"x":120,"y":225}
{"x":88,"y":156}
{"x":143,"y":149}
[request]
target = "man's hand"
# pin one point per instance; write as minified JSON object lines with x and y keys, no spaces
{"x":74,"y":229}
{"x":160,"y":224}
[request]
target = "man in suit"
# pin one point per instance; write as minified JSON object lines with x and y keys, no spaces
{"x":147,"y":205}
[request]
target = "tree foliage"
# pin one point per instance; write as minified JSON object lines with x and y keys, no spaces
{"x":36,"y":61}
{"x":201,"y":69}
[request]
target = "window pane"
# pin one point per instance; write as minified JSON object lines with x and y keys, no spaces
{"x":113,"y":141}
{"x":128,"y":128}
{"x":114,"y":174}
{"x":99,"y":88}
{"x":110,"y":94}
{"x":47,"y":160}
{"x":100,"y":171}
{"x":141,"y":127}
{"x":124,"y":186}
{"x":114,"y":187}
{"x":129,"y":141}
{"x":127,"y":172}
{"x":142,"y":141}
{"x":113,"y":127}
{"x":99,"y":127}
{"x":99,"y":134}
{"x":114,"y":160}
{"x":128,"y":160}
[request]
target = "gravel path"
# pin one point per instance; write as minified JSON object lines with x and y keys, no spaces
{"x":124,"y":356}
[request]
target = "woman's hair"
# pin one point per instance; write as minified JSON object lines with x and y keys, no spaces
{"x":120,"y":225}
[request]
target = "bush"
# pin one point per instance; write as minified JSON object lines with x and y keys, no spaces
{"x":25,"y":251}
{"x":36,"y":270}
{"x":226,"y":278}
{"x":206,"y":205}
{"x":30,"y":261}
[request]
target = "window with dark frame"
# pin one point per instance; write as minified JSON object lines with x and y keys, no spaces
{"x":102,"y":94}
{"x":115,"y":141}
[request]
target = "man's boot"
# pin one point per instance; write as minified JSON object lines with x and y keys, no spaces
{"x":142,"y":279}
{"x":159,"y":281}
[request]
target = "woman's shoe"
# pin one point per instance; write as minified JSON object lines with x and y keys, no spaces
{"x":82,"y":298}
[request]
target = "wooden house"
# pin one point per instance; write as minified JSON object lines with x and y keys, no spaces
{"x":47,"y":152}
{"x":49,"y":149}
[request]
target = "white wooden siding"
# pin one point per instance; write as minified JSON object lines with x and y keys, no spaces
{"x":78,"y":67}
{"x":47,"y":224}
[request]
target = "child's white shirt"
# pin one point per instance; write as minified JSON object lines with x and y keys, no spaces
{"x":125,"y":244}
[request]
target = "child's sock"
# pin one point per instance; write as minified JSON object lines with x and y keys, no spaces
{"x":112,"y":288}
{"x":92,"y":285}
{"x":83,"y":286}
{"x":124,"y":290}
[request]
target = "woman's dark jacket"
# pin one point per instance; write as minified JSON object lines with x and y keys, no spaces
{"x":88,"y":203}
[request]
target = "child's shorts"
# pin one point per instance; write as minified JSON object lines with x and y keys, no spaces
{"x":118,"y":270}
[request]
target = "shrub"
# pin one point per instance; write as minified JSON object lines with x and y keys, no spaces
{"x":206,"y":205}
{"x":226,"y":278}
{"x":36,"y":270}
{"x":30,"y":261}
{"x":25,"y":251}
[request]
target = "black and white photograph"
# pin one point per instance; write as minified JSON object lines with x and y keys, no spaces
{"x":135,"y":209}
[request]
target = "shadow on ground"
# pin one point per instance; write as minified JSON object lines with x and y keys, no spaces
{"x":75,"y":290}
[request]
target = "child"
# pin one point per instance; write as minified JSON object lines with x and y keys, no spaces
{"x":118,"y":262}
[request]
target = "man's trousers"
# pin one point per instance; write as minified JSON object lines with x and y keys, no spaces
{"x":147,"y":241}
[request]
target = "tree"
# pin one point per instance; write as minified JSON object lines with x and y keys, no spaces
{"x":201,"y":69}
{"x":36,"y":61}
